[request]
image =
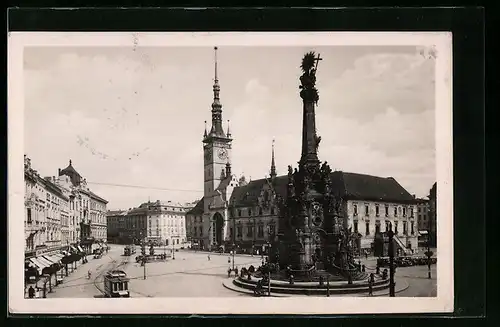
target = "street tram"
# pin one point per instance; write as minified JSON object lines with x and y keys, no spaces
{"x":129,"y":250}
{"x":116,"y":284}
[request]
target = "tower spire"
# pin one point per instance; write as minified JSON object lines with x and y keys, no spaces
{"x":273,"y":164}
{"x":205,"y":133}
{"x":228,"y":131}
{"x":216,"y":80}
{"x":216,"y":129}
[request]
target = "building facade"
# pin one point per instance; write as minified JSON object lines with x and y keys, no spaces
{"x":423,"y":214}
{"x":117,"y":231}
{"x":157,"y":222}
{"x":55,"y":211}
{"x":433,"y":215}
{"x":368,"y":218}
{"x":87,"y":210}
{"x":234,"y":213}
{"x":35,"y":225}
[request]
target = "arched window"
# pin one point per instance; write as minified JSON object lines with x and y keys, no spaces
{"x":266,"y":195}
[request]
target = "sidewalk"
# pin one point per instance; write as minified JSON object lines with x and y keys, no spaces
{"x":77,"y":284}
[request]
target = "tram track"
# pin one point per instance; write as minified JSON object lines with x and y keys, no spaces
{"x":113,"y":264}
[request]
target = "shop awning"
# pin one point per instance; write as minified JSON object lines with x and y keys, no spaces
{"x":39,"y":264}
{"x":52,"y":258}
{"x":58,"y":256}
{"x":72,"y":248}
{"x":80,"y":248}
{"x":44,"y":261}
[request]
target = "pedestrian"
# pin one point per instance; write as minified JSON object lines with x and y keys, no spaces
{"x":31,"y":292}
{"x":89,"y":273}
{"x":370,"y":287}
{"x":208,"y":257}
{"x":229,"y":259}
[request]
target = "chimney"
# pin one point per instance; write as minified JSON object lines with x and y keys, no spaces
{"x":414,"y":196}
{"x":59,"y":171}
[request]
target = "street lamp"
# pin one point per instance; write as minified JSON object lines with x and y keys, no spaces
{"x":390,"y":234}
{"x":173,"y":250}
{"x":429,"y":253}
{"x":233,"y":252}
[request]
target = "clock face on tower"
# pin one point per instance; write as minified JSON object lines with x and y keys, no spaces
{"x":222,"y":153}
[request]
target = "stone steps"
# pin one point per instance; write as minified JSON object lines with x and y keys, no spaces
{"x":304,"y":289}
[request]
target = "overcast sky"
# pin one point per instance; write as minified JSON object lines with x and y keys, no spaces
{"x":136,"y":117}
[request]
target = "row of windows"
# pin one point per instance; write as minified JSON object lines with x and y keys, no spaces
{"x":423,"y":209}
{"x":250,"y":231}
{"x":157,"y":232}
{"x":198,"y":231}
{"x":168,"y":222}
{"x":377,"y":227}
{"x":169,"y":216}
{"x":401,"y":211}
{"x":250,"y":212}
{"x":167,"y":209}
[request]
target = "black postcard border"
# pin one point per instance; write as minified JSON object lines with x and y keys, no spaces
{"x":467,"y":26}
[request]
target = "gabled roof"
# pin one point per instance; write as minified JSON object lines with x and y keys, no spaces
{"x":248,"y":195}
{"x":224,"y":183}
{"x":348,"y":185}
{"x":53,"y":188}
{"x":197,"y":209}
{"x":140,"y":210}
{"x":97,"y":197}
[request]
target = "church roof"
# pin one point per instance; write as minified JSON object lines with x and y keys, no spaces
{"x":248,"y":195}
{"x":224,"y":183}
{"x":349,"y":185}
{"x":198,"y":208}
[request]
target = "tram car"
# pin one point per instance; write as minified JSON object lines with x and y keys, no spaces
{"x":129,"y":250}
{"x":116,"y":284}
